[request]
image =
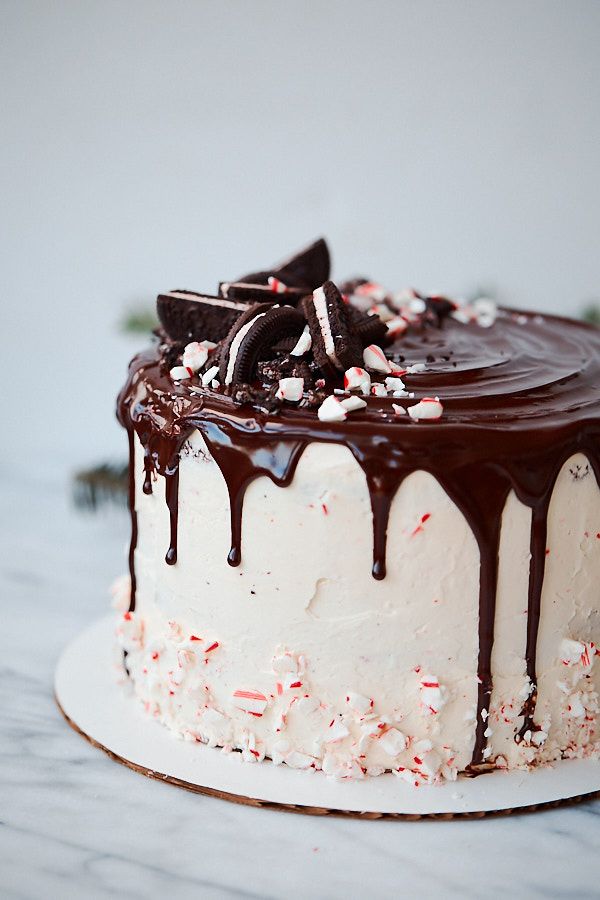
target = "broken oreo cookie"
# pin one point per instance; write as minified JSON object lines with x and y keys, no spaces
{"x":369,"y":328}
{"x":256,"y":330}
{"x":186,"y":316}
{"x":306,"y":269}
{"x":245,"y":292}
{"x":335,"y":341}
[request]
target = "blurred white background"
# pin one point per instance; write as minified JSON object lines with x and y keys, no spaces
{"x":149,"y":145}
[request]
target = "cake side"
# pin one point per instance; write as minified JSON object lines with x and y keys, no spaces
{"x":310,"y":664}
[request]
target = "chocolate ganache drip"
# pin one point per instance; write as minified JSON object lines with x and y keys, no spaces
{"x":519,"y":393}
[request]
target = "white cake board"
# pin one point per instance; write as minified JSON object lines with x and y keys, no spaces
{"x":102,"y":710}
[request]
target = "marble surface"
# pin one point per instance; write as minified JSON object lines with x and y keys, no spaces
{"x":76,"y":824}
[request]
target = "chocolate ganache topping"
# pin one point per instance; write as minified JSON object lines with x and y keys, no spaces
{"x":485,"y":399}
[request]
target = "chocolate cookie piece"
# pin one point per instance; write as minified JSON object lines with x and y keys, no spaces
{"x":186,"y":316}
{"x":307,"y":269}
{"x":244,"y":292}
{"x":369,"y":328}
{"x":310,"y":266}
{"x":335,"y":342}
{"x":256,"y":331}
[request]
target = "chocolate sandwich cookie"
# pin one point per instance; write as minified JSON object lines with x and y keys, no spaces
{"x":186,"y":316}
{"x":369,"y":328}
{"x":335,"y":342}
{"x":307,"y":269}
{"x":274,"y":290}
{"x":310,"y":266}
{"x":257,"y":330}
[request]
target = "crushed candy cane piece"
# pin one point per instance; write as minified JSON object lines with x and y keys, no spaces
{"x":433,"y":695}
{"x":393,"y":383}
{"x":180,"y":373}
{"x":357,"y":378}
{"x":331,"y":410}
{"x":396,"y":326}
{"x":336,"y":731}
{"x":575,"y":708}
{"x":277,"y":286}
{"x":378,"y":390}
{"x":486,"y":311}
{"x":351,"y":404}
{"x":252,"y":702}
{"x":393,"y":742}
{"x":380,"y":309}
{"x":359,"y":704}
{"x":428,"y":764}
{"x":290,"y":389}
{"x":398,"y":410}
{"x":304,"y":343}
{"x":209,"y":375}
{"x":429,"y":408}
{"x":372,"y":290}
{"x":196,"y":353}
{"x":298,"y":760}
{"x":573,"y":653}
{"x":307,"y":705}
{"x":374,"y":358}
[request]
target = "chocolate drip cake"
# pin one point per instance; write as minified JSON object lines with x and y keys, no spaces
{"x":365,"y":527}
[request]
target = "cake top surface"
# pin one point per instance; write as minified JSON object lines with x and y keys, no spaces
{"x":290,"y":346}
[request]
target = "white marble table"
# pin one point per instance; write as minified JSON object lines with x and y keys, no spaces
{"x":76,"y":824}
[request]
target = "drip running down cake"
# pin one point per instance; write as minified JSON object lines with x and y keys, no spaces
{"x":365,"y":527}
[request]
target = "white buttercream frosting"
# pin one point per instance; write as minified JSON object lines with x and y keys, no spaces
{"x":301,"y":656}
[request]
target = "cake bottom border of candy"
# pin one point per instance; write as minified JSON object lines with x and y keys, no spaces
{"x":106,"y":713}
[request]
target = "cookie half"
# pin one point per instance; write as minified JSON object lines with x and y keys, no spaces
{"x":256,"y":330}
{"x":276,"y":290}
{"x":306,"y":269}
{"x":186,"y":316}
{"x":335,"y":341}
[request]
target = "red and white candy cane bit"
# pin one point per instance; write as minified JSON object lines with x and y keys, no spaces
{"x":419,"y":527}
{"x":336,"y":731}
{"x":357,"y":378}
{"x":371,"y":289}
{"x":429,"y":409}
{"x":290,"y":389}
{"x":396,"y":326}
{"x":180,"y":373}
{"x":331,"y":410}
{"x":212,"y":647}
{"x":351,"y":404}
{"x":252,"y":702}
{"x":374,"y":358}
{"x":277,"y":286}
{"x":432,"y":694}
{"x":358,"y":703}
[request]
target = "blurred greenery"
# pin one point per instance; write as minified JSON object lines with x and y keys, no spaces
{"x":98,"y":486}
{"x":139,"y":320}
{"x":591,"y":312}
